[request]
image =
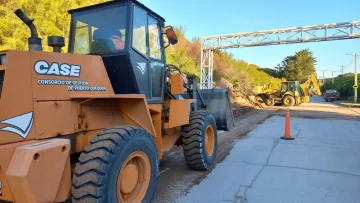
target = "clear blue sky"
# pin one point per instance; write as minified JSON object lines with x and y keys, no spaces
{"x":214,"y":17}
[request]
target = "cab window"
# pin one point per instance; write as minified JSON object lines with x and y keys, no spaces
{"x":284,"y":87}
{"x":139,"y":30}
{"x":96,"y":31}
{"x":292,"y":87}
{"x":154,"y":39}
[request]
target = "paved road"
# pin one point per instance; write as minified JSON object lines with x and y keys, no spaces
{"x":254,"y":163}
{"x":319,"y":101}
{"x":322,"y":164}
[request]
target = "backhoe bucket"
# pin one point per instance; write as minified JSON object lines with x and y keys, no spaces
{"x":218,"y":104}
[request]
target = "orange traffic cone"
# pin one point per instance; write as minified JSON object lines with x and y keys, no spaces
{"x":287,"y":127}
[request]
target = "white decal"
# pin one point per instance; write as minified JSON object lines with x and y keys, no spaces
{"x":20,"y":125}
{"x":141,"y":67}
{"x":86,"y":88}
{"x":43,"y":68}
{"x":73,"y":85}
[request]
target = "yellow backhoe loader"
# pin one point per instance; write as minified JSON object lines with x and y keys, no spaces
{"x":91,"y":125}
{"x":291,"y":93}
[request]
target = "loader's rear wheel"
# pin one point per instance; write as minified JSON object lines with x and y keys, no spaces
{"x":200,"y":140}
{"x":119,"y":165}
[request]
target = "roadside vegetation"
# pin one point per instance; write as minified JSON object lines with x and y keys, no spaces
{"x":342,"y":83}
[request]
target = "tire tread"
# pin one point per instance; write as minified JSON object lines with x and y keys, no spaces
{"x":87,"y":183}
{"x":193,"y":141}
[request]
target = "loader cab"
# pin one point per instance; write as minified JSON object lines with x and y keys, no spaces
{"x":290,"y":87}
{"x":129,"y":38}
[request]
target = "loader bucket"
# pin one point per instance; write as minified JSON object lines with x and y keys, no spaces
{"x":218,"y":104}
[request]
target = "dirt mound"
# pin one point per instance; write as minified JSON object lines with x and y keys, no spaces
{"x":242,"y":96}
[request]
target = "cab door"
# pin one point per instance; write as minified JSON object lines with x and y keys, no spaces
{"x":156,"y":60}
{"x":147,"y":55}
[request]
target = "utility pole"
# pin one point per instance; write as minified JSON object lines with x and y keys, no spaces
{"x":332,"y":75}
{"x":323,"y":76}
{"x":355,"y":88}
{"x":342,"y":69}
{"x":355,"y":82}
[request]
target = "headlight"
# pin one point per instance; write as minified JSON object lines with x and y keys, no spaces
{"x":2,"y":59}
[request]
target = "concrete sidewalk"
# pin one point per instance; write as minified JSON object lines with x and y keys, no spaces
{"x":322,"y":164}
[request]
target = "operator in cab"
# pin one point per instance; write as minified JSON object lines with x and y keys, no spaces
{"x":106,"y":40}
{"x":117,"y":40}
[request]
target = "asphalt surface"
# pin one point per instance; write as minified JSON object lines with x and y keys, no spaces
{"x":322,"y":164}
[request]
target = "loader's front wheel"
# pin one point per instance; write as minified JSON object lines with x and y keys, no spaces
{"x":199,"y":139}
{"x":270,"y":101}
{"x":119,"y":165}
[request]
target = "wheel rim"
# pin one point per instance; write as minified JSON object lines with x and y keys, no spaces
{"x":134,"y":178}
{"x":287,"y":101}
{"x":269,"y":102}
{"x":209,"y":140}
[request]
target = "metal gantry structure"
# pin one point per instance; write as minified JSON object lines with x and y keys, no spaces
{"x":314,"y":33}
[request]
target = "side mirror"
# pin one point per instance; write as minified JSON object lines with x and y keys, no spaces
{"x":170,"y":33}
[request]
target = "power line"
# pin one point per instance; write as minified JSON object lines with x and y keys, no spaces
{"x":349,"y":63}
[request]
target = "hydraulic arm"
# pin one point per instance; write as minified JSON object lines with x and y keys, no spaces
{"x":305,"y":87}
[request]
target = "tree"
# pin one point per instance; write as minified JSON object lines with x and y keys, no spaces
{"x":272,"y":72}
{"x":298,"y":66}
{"x":281,"y":67}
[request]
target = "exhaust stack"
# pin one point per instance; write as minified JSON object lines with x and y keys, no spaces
{"x":34,"y":41}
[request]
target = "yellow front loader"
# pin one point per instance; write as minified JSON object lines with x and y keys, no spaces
{"x":92,"y":125}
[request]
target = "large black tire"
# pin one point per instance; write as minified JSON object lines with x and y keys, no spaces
{"x":193,"y":138}
{"x":288,"y":101}
{"x":96,"y":175}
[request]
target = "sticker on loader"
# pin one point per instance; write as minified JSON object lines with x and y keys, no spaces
{"x":141,"y":67}
{"x":43,"y":68}
{"x":20,"y":125}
